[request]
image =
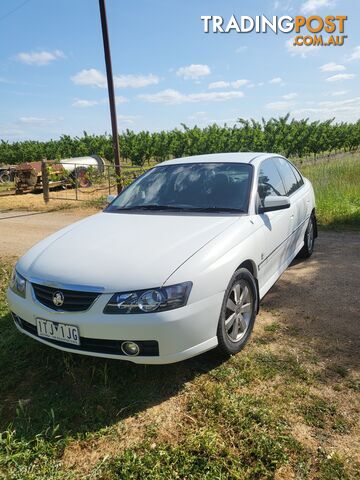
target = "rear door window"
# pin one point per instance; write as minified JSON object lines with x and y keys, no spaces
{"x":300,"y":180}
{"x":287,"y":175}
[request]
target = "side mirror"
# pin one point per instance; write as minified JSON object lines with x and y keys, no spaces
{"x":273,"y":203}
{"x":110,"y":198}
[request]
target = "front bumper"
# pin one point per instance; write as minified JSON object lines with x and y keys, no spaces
{"x":180,"y":334}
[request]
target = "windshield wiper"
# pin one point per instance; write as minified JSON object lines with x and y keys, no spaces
{"x":218,"y":209}
{"x":153,"y":207}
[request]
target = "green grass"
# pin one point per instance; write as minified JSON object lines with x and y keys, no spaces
{"x":236,"y":418}
{"x":337,"y":189}
{"x":321,"y":414}
{"x":234,"y":423}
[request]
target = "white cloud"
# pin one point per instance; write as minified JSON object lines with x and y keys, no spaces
{"x":340,"y":104}
{"x":90,"y":77}
{"x":312,"y":6}
{"x":84,"y":103}
{"x":241,"y":49}
{"x":193,"y":72}
{"x":281,"y":105}
{"x":81,"y":103}
{"x":165,"y":96}
{"x":302,"y":50}
{"x":338,"y":93}
{"x":170,"y":96}
{"x":38,"y":121}
{"x":355,"y":55}
{"x":39,"y":58}
{"x":341,"y":76}
{"x":239,"y":83}
{"x":95,"y":78}
{"x":290,"y":96}
{"x":10,"y":131}
{"x":135,"y":81}
{"x":285,"y":5}
{"x":276,"y":80}
{"x":332,"y":67}
{"x":234,"y":84}
{"x":220,"y":84}
{"x":128,"y":119}
{"x":214,"y":96}
{"x":346,"y":110}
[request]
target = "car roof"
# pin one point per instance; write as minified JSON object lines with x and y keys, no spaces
{"x":236,"y":157}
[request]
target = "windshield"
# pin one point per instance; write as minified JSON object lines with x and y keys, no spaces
{"x":204,"y":187}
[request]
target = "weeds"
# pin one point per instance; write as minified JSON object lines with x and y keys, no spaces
{"x":337,"y":191}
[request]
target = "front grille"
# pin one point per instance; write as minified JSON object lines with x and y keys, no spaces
{"x":74,"y":301}
{"x":148,"y":348}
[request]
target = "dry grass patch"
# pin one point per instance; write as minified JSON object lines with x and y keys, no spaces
{"x":157,"y":424}
{"x":33,"y":202}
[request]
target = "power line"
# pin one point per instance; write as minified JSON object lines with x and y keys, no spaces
{"x":14,"y":10}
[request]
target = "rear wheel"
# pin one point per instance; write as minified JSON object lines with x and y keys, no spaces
{"x":238,"y":312}
{"x":81,"y":177}
{"x":5,"y":177}
{"x":309,"y":238}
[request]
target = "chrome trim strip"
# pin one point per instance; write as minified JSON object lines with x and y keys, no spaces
{"x":65,"y":286}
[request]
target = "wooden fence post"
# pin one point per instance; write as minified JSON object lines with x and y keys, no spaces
{"x":45,"y":180}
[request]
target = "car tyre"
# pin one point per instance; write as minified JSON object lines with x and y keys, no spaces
{"x":5,"y":177}
{"x":238,"y":313}
{"x":309,"y":238}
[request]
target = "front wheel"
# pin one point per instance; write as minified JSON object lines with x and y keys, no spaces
{"x":238,"y":312}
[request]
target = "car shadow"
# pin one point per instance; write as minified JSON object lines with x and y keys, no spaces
{"x":43,"y":387}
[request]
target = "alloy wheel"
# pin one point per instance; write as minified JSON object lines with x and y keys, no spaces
{"x":239,"y":309}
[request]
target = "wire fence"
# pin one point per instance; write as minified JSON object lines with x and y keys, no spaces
{"x":59,"y":180}
{"x":81,"y":182}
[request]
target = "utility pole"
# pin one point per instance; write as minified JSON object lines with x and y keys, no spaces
{"x":110,"y":83}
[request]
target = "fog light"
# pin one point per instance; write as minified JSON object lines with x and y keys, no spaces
{"x":130,"y":348}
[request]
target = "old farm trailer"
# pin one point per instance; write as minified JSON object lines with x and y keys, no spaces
{"x":65,"y":172}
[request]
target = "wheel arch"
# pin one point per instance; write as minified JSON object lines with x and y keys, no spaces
{"x":251,"y":266}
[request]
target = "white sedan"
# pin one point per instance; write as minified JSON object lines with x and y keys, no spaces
{"x":176,"y":265}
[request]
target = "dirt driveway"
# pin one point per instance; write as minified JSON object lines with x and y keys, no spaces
{"x":20,"y":230}
{"x":318,"y":298}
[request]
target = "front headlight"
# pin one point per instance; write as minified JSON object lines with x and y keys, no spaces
{"x":18,"y":283}
{"x":151,"y":300}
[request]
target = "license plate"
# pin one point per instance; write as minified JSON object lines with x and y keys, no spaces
{"x":58,"y":331}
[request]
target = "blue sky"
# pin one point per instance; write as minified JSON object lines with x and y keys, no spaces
{"x":167,"y":70}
